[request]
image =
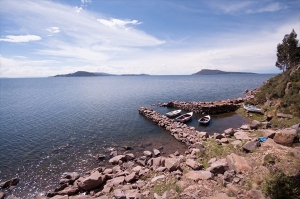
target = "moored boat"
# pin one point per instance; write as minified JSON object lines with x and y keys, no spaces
{"x":252,"y":109}
{"x":204,"y":120}
{"x":185,"y":117}
{"x":173,"y":113}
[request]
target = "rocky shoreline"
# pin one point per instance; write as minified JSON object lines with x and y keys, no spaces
{"x":214,"y":166}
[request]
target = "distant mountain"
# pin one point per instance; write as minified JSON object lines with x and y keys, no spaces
{"x":89,"y":74}
{"x":77,"y":74}
{"x":218,"y":72}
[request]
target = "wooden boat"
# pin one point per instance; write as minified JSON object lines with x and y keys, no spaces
{"x":204,"y":120}
{"x":184,"y":117}
{"x":252,"y":109}
{"x":173,"y":113}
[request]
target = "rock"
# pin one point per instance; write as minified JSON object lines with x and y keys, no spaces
{"x":116,"y":181}
{"x":2,"y":195}
{"x":218,"y":136}
{"x":212,"y":160}
{"x":119,"y":194}
{"x":218,"y":167}
{"x":193,"y":164}
{"x":245,"y":127}
{"x":229,"y":175}
{"x":71,"y":176}
{"x":100,"y":156}
{"x":157,"y":178}
{"x":224,"y":140}
{"x":157,"y":162}
{"x":289,"y":116}
{"x":10,"y":183}
{"x":250,"y":146}
{"x":198,"y":175}
{"x":241,"y":135}
{"x":128,"y":165}
{"x":170,"y":194}
{"x":269,"y":133}
{"x":147,"y":153}
{"x":70,"y":190}
{"x":255,"y":124}
{"x":232,"y":190}
{"x":131,"y":177}
{"x":236,"y":142}
{"x":129,"y":156}
{"x":172,"y":164}
{"x":91,"y":182}
{"x":156,"y":152}
{"x":237,"y":163}
{"x":15,"y":197}
{"x":116,"y":159}
{"x":255,"y":194}
{"x":229,"y":132}
{"x":132,"y":194}
{"x":285,"y":136}
{"x":203,"y":134}
{"x":220,"y":196}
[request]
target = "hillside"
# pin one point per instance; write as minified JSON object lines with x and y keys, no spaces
{"x":281,"y":93}
{"x":217,"y":72}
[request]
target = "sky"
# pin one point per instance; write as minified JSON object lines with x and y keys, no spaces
{"x":41,"y":38}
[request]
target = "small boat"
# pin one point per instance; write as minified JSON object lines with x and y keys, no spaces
{"x":252,"y":109}
{"x":204,"y":120}
{"x":184,"y":117}
{"x":173,"y":113}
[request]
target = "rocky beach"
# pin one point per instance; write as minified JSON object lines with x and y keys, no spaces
{"x":230,"y":164}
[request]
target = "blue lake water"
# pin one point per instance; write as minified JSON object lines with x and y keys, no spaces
{"x":52,"y":125}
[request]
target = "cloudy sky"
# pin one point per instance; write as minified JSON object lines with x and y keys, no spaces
{"x":158,"y":37}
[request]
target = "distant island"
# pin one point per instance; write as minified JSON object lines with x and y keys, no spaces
{"x":91,"y":74}
{"x":218,"y":72}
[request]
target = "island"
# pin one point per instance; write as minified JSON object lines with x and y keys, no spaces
{"x":94,"y":74}
{"x":218,"y":72}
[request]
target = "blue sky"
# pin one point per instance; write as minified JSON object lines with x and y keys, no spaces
{"x":44,"y":38}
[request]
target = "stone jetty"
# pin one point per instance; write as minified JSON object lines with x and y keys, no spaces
{"x":217,"y":107}
{"x":181,"y":132}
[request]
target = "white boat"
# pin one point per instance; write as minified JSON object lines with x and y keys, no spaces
{"x":204,"y":120}
{"x":185,"y":117}
{"x":252,"y":109}
{"x":173,"y":113}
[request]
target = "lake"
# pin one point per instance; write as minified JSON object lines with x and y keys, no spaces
{"x":52,"y":125}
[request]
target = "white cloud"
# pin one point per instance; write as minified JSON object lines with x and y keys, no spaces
{"x":20,"y":38}
{"x":86,"y":1}
{"x":78,"y":9}
{"x":53,"y":30}
{"x":118,"y":23}
{"x":272,"y":7}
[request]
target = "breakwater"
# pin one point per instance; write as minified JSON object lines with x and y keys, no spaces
{"x":217,"y":107}
{"x":181,"y":132}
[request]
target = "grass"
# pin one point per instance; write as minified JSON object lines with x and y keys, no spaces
{"x":161,"y":186}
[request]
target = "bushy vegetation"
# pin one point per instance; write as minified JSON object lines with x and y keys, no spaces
{"x":283,"y":91}
{"x":280,"y":186}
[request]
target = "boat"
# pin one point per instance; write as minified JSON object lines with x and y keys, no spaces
{"x":185,"y":117}
{"x":173,"y":113}
{"x":252,"y":109}
{"x":204,"y":120}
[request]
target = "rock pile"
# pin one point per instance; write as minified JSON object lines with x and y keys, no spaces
{"x":218,"y":107}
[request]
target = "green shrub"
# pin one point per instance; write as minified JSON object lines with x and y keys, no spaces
{"x":281,"y":186}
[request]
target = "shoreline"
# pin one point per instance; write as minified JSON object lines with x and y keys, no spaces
{"x":133,"y":177}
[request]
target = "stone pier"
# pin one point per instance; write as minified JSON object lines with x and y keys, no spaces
{"x":181,"y":132}
{"x":218,"y":107}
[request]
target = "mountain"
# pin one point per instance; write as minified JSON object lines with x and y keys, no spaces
{"x":77,"y":74}
{"x":217,"y":72}
{"x":90,"y":74}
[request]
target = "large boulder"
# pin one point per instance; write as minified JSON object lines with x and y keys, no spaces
{"x":255,"y":124}
{"x":218,"y":167}
{"x":116,"y":159}
{"x":91,"y":182}
{"x":172,"y":164}
{"x":199,"y":175}
{"x":193,"y":164}
{"x":237,"y":163}
{"x":241,"y":135}
{"x":250,"y":146}
{"x":285,"y":136}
